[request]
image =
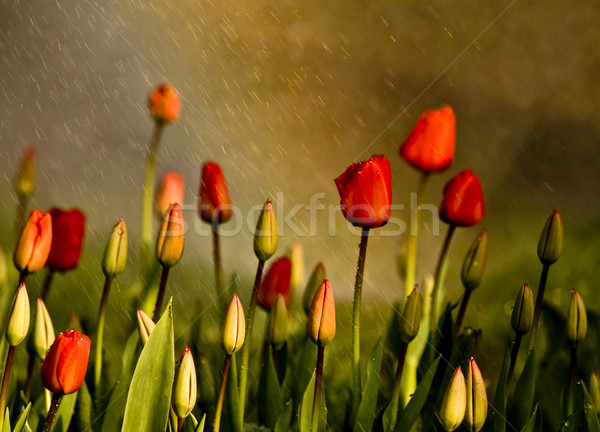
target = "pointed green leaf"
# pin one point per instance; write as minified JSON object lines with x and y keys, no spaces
{"x":200,"y":427}
{"x":535,"y":422}
{"x":149,"y":397}
{"x":22,"y":421}
{"x":303,"y":371}
{"x":305,"y":414}
{"x":270,"y":396}
{"x":499,"y":411}
{"x":368,"y":404}
{"x":570,"y":424}
{"x":285,"y":418}
{"x":84,"y":408}
{"x":6,"y":424}
{"x":523,"y":397}
{"x":589,"y":411}
{"x":64,"y":413}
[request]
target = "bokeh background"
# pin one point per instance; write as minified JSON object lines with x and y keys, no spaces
{"x":285,"y":95}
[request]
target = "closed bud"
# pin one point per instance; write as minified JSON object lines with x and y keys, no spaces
{"x":18,"y":317}
{"x":234,"y":327}
{"x":33,"y":246}
{"x":454,"y":403}
{"x":474,"y":264}
{"x":316,"y":279}
{"x":595,"y":390}
{"x":278,"y":327}
{"x":411,"y":316}
{"x":276,"y":281}
{"x":43,"y":332}
{"x":522,"y":313}
{"x":215,"y":204}
{"x":576,"y":319}
{"x":115,"y":254}
{"x":477,"y":404}
{"x":551,"y":241}
{"x":164,"y":104}
{"x":265,"y":236}
{"x":145,"y":326}
{"x":206,"y":379}
{"x":170,"y":190}
{"x":68,"y":230}
{"x":25,"y":180}
{"x":185,"y":386}
{"x":64,"y":367}
{"x":169,"y":245}
{"x":297,"y":259}
{"x":321,"y":317}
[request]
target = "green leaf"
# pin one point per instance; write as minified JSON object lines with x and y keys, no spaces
{"x":84,"y":408}
{"x":303,"y":371}
{"x":200,"y":427}
{"x":149,"y":398}
{"x":285,"y":418}
{"x":22,"y":421}
{"x":499,"y":412}
{"x":270,"y":396}
{"x":113,"y":415}
{"x":64,"y":413}
{"x":570,"y":424}
{"x":305,"y":414}
{"x":368,"y":404}
{"x":589,"y":411}
{"x":232,"y":395}
{"x":6,"y":424}
{"x":522,"y":400}
{"x":415,"y":405}
{"x":535,"y":422}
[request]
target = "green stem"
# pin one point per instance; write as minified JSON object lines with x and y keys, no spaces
{"x":572,"y":372}
{"x":437,"y":281}
{"x":513,"y":356}
{"x":397,"y":385}
{"x":5,"y":378}
{"x":413,"y":235}
{"x":222,"y":388}
{"x":219,"y":280}
{"x":461,"y":311}
{"x":47,"y":284}
{"x":52,"y":411}
{"x":246,"y":348}
{"x":180,"y":424}
{"x":29,"y":380}
{"x":99,"y":339}
{"x":161,"y":293}
{"x":314,"y":425}
{"x":538,"y":305}
{"x":360,"y":268}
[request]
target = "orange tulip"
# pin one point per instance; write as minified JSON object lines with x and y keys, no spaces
{"x":462,"y":204}
{"x":215,"y":203}
{"x":164,"y":104}
{"x":321,"y":318}
{"x":170,"y":190}
{"x":64,"y":367}
{"x":34,"y":243}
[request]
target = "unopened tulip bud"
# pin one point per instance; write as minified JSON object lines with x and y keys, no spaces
{"x":206,"y":379}
{"x":265,"y":236}
{"x":595,"y":390}
{"x":68,"y":231}
{"x":411,"y":316}
{"x":33,"y":246}
{"x":474,"y":264}
{"x":43,"y":332}
{"x":169,"y":246}
{"x":145,"y":326}
{"x":170,"y":190}
{"x":462,"y":204}
{"x":454,"y":403}
{"x":477,"y":404}
{"x":278,"y":327}
{"x":115,"y":254}
{"x":316,"y":279}
{"x":185,"y":386}
{"x":551,"y":241}
{"x":164,"y":104}
{"x":276,"y":281}
{"x":25,"y":180}
{"x":18,"y":317}
{"x":215,"y":203}
{"x":522,"y":313}
{"x":576,"y":319}
{"x":321,"y":317}
{"x":65,"y":365}
{"x":297,"y":259}
{"x":234,"y":327}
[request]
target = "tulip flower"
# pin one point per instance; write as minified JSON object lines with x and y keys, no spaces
{"x":452,"y":411}
{"x":594,"y":389}
{"x":316,"y":279}
{"x":521,"y":320}
{"x":430,"y":145}
{"x":576,"y":332}
{"x":477,"y":403}
{"x":115,"y":253}
{"x":68,"y":229}
{"x":170,"y":190}
{"x":277,"y":281}
{"x":163,"y":104}
{"x":43,"y":331}
{"x":184,"y":393}
{"x":145,"y":326}
{"x":278,"y":324}
{"x":462,"y":204}
{"x":297,"y":259}
{"x":33,"y":246}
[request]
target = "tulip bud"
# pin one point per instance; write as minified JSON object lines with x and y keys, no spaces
{"x":462,"y":204}
{"x":33,"y":246}
{"x":576,"y":319}
{"x":276,"y":281}
{"x":595,"y":390}
{"x":265,"y":236}
{"x":185,"y":386}
{"x":115,"y":254}
{"x":234,"y":327}
{"x":145,"y":326}
{"x":321,"y":317}
{"x":316,"y":279}
{"x":411,"y":316}
{"x":164,"y":104}
{"x":551,"y":241}
{"x":170,"y":190}
{"x":297,"y":259}
{"x":477,"y":404}
{"x":474,"y":264}
{"x":64,"y":367}
{"x":18,"y":317}
{"x":522,"y":312}
{"x":25,"y":180}
{"x":68,"y":229}
{"x":454,"y":403}
{"x":206,"y":379}
{"x":278,"y":327}
{"x":215,"y":203}
{"x":43,"y":332}
{"x":169,"y":245}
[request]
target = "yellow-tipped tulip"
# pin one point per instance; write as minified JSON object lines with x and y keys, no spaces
{"x":321,"y":318}
{"x":474,"y":264}
{"x":477,"y":404}
{"x":145,"y":326}
{"x":33,"y":246}
{"x":43,"y":332}
{"x":595,"y":390}
{"x":169,"y":246}
{"x":25,"y":180}
{"x":185,"y":386}
{"x":234,"y":328}
{"x":551,"y":240}
{"x":411,"y":316}
{"x":454,"y":403}
{"x":18,"y":317}
{"x":266,"y":238}
{"x":316,"y":279}
{"x":522,"y":313}
{"x":576,"y":319}
{"x":297,"y":259}
{"x":278,"y":327}
{"x":115,"y":253}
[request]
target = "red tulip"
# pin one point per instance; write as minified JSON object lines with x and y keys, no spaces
{"x":277,"y":281}
{"x":366,"y":192}
{"x":164,"y":104}
{"x":68,"y":229}
{"x":462,"y":204}
{"x":170,"y":190}
{"x":64,"y":367}
{"x":215,"y":203}
{"x":430,"y":145}
{"x":33,"y":246}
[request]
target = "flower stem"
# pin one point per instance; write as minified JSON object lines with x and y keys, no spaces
{"x":29,"y":380}
{"x":161,"y":293}
{"x":47,"y":284}
{"x":219,"y":280}
{"x":99,"y":339}
{"x":222,"y":388}
{"x":435,"y":294}
{"x":538,"y":305}
{"x":314,"y":425}
{"x":360,"y":268}
{"x":52,"y":411}
{"x":247,"y":345}
{"x":4,"y":389}
{"x":22,"y":278}
{"x":413,"y":235}
{"x":397,"y":384}
{"x":513,"y":356}
{"x":461,"y":311}
{"x":180,"y":424}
